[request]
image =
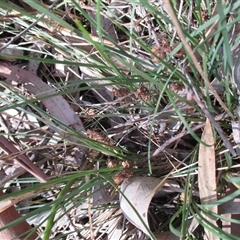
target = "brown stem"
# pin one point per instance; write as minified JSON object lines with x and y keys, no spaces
{"x":19,"y":231}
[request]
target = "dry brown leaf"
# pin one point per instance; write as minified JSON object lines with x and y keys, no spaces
{"x":56,"y":105}
{"x":166,"y":236}
{"x":207,"y":173}
{"x":22,"y":159}
{"x":139,"y":192}
{"x":106,"y":23}
{"x":11,"y":53}
{"x":17,"y":231}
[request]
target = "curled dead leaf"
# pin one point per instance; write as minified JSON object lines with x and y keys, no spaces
{"x":137,"y":193}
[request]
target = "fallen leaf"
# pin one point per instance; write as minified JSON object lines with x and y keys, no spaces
{"x":56,"y":105}
{"x":22,"y":159}
{"x":207,"y":173}
{"x":166,"y":236}
{"x":138,"y":193}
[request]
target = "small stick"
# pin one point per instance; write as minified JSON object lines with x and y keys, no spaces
{"x":180,"y":135}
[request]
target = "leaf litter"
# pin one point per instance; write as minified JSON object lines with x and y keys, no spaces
{"x":73,"y":114}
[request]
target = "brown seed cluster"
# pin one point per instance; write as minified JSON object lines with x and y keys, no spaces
{"x":90,"y":112}
{"x":176,"y":87}
{"x":163,"y":48}
{"x":123,"y":93}
{"x":123,"y":174}
{"x":205,"y":16}
{"x":120,"y":92}
{"x":126,"y":164}
{"x":143,"y":93}
{"x":100,"y":137}
{"x":112,"y":163}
